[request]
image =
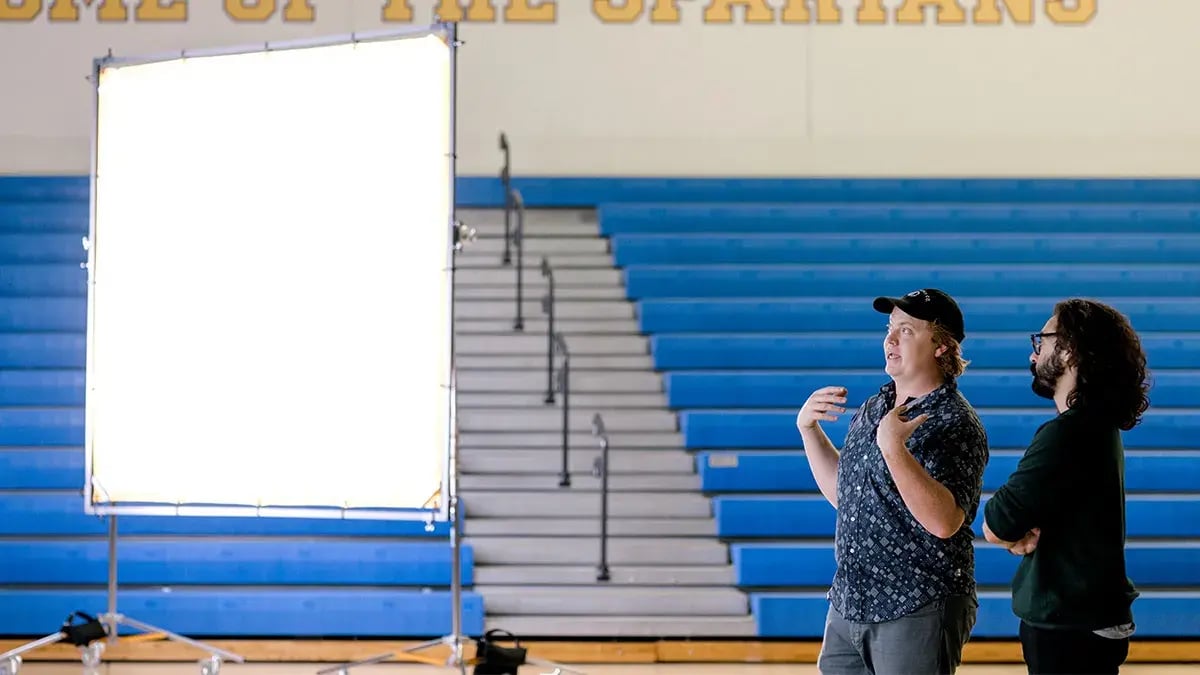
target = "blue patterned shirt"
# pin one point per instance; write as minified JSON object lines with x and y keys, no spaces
{"x":888,"y":565}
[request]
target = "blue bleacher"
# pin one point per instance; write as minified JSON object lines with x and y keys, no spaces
{"x":959,"y":279}
{"x":638,"y":196}
{"x":751,"y":291}
{"x":995,"y":388}
{"x":751,"y":304}
{"x":1007,"y":428}
{"x":810,"y":515}
{"x":989,"y":315}
{"x":784,"y":614}
{"x":799,"y":564}
{"x":784,"y":471}
{"x":883,"y":247}
{"x":204,"y":576}
{"x":884,"y":218}
{"x":260,"y":612}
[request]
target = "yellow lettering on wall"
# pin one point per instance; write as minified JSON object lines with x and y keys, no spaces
{"x":479,"y":10}
{"x":721,"y":11}
{"x":1081,"y":12}
{"x":448,"y":10}
{"x":796,"y":11}
{"x":913,"y":11}
{"x":23,"y":10}
{"x":988,"y":11}
{"x":299,"y":10}
{"x":828,"y":11}
{"x":68,"y":10}
{"x":665,"y":11}
{"x":871,"y":11}
{"x":398,"y":10}
{"x":609,"y":12}
{"x":250,"y":10}
{"x":155,"y":10}
{"x":545,"y":11}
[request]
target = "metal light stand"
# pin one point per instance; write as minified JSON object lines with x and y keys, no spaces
{"x":113,"y":620}
{"x":107,"y":633}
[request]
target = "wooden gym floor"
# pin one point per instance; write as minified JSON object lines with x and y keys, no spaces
{"x":159,"y":657}
{"x":588,"y":669}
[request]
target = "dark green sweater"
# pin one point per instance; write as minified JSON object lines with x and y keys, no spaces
{"x":1071,"y":484}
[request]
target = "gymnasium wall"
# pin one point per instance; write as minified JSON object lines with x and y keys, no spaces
{"x":702,"y":87}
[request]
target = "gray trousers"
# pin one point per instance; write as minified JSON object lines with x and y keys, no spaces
{"x":927,"y":642}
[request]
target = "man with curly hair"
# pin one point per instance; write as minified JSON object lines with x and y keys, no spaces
{"x":1063,"y":509}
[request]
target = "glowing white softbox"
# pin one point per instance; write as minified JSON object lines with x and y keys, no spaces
{"x":270,"y":299}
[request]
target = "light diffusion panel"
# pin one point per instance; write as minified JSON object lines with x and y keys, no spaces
{"x":269,"y":315}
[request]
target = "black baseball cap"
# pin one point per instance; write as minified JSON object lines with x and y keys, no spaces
{"x":929,"y":304}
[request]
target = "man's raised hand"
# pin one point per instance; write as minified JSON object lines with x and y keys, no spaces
{"x":894,"y":428}
{"x":824,"y":404}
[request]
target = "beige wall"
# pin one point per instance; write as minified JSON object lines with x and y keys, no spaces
{"x":1087,"y":87}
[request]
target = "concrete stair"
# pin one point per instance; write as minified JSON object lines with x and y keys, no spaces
{"x":537,"y":544}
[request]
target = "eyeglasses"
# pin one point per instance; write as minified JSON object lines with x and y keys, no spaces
{"x":1036,"y":339}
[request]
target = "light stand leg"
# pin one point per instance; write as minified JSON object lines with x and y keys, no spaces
{"x":344,"y":669}
{"x":91,"y":656}
{"x":113,"y":620}
{"x":108,"y":617}
{"x":455,"y":640}
{"x":10,"y":661}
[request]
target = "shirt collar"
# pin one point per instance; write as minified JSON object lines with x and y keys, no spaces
{"x":888,"y":391}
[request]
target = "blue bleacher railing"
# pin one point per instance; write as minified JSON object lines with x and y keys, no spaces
{"x":564,"y":387}
{"x":548,"y":309}
{"x":506,"y":182}
{"x":600,"y":469}
{"x":518,"y":242}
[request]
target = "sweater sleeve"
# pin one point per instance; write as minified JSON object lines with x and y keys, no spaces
{"x":1024,"y":501}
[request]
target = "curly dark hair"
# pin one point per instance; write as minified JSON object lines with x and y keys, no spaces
{"x":1109,"y":360}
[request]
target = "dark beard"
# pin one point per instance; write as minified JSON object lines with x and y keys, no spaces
{"x":1045,"y":377}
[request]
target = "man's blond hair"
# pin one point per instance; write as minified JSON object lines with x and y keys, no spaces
{"x":951,"y":362}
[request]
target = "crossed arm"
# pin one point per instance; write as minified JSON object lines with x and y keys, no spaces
{"x":1025,"y":546}
{"x":1014,"y":515}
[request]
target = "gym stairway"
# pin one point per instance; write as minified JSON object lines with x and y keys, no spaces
{"x":536,"y":543}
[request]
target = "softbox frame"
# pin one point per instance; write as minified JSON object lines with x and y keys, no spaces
{"x":135,"y":230}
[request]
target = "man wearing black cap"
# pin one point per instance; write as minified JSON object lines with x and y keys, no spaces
{"x":906,"y":486}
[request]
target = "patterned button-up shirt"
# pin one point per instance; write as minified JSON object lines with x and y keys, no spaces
{"x":888,"y":565}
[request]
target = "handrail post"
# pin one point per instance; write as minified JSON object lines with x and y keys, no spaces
{"x":519,"y":243}
{"x":600,"y":469}
{"x":564,"y":385}
{"x":548,"y":308}
{"x":506,"y":183}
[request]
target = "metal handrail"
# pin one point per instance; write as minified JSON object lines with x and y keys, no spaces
{"x":548,"y":309}
{"x":506,"y":183}
{"x":564,"y":386}
{"x":518,"y":240}
{"x":600,"y":469}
